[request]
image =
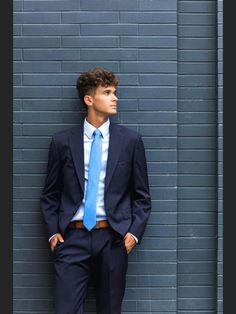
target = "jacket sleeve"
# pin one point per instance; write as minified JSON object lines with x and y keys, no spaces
{"x":51,"y":194}
{"x":141,"y":200}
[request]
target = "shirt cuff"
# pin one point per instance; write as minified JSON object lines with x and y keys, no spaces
{"x":51,"y":237}
{"x":136,"y":239}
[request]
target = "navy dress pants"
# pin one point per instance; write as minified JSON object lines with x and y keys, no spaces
{"x":99,"y":253}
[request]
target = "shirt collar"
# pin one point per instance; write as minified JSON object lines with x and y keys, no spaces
{"x":89,"y":129}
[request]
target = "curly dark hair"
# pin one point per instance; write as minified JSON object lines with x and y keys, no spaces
{"x":88,"y":82}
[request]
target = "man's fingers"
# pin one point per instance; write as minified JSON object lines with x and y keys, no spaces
{"x":60,"y":238}
{"x":57,"y":238}
{"x":129,"y":242}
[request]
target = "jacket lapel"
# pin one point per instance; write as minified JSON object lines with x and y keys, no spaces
{"x":115,"y":144}
{"x":77,"y":149}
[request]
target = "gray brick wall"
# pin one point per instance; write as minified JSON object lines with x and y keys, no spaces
{"x":197,"y":157}
{"x":165,"y":53}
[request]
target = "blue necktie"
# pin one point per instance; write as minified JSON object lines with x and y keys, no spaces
{"x":89,"y":220}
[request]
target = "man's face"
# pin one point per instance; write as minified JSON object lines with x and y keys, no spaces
{"x":104,"y":102}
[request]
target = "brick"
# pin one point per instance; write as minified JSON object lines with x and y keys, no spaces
{"x":89,"y":17}
{"x":148,"y":67}
{"x":53,"y":55}
{"x":160,"y":5}
{"x":197,"y":193}
{"x":195,"y":118}
{"x":17,"y":129}
{"x":17,"y":54}
{"x":127,"y":105}
{"x":17,"y":5}
{"x":35,"y":42}
{"x":196,"y":105}
{"x":157,"y":305}
{"x":197,"y":218}
{"x":52,"y":104}
{"x":206,"y":180}
{"x":161,"y":143}
{"x":197,"y":80}
{"x":158,"y":180}
{"x":109,"y":54}
{"x":148,"y":17}
{"x":196,"y":43}
{"x":157,"y":104}
{"x":154,"y":30}
{"x":197,"y":167}
{"x":31,"y":192}
{"x":36,"y":17}
{"x":195,"y":231}
{"x":197,"y":7}
{"x":196,"y":304}
{"x":164,"y":193}
{"x":196,"y":205}
{"x":200,"y":155}
{"x":197,"y":130}
{"x":197,"y":31}
{"x":91,"y":41}
{"x":160,"y":54}
{"x":38,"y":5}
{"x":34,"y":66}
{"x":109,"y":29}
{"x":161,"y":130}
{"x":34,"y":92}
{"x":196,"y":143}
{"x":158,"y":79}
{"x":161,"y":231}
{"x":32,"y":292}
{"x":17,"y":30}
{"x":197,"y":56}
{"x":196,"y":92}
{"x":149,"y":92}
{"x":153,"y":293}
{"x":17,"y":104}
{"x":17,"y":79}
{"x":28,"y":180}
{"x":26,"y":205}
{"x":47,"y":29}
{"x":149,"y":117}
{"x":109,"y":5}
{"x":195,"y":256}
{"x":149,"y":41}
{"x":196,"y":19}
{"x":195,"y":243}
{"x":38,"y":305}
{"x":69,"y":66}
{"x":46,"y":80}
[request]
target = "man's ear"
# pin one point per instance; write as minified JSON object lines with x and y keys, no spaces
{"x":88,"y":100}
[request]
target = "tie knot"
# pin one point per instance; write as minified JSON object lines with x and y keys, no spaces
{"x":97,"y":133}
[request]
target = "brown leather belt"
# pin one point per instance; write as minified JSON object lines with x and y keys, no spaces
{"x":78,"y":224}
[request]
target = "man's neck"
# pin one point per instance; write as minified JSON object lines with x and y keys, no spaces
{"x":96,"y":121}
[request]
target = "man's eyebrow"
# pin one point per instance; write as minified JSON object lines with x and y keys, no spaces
{"x":109,"y":89}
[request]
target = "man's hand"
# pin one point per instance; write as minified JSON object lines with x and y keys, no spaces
{"x":129,"y":242}
{"x":56,"y":238}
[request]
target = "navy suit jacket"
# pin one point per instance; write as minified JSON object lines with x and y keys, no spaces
{"x":126,"y":197}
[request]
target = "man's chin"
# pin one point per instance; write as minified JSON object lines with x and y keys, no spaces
{"x":113,"y":112}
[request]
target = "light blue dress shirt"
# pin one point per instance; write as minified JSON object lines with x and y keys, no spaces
{"x":88,"y":138}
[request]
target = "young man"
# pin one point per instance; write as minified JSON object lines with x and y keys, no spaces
{"x":95,"y":201}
